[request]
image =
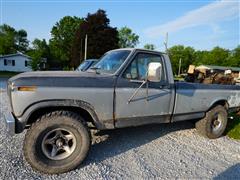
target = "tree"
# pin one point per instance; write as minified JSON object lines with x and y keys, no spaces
{"x":127,"y":38}
{"x":36,"y":59}
{"x":101,"y":37}
{"x":21,"y":40}
{"x":7,"y":42}
{"x":39,"y":51}
{"x":42,"y":47}
{"x":218,"y":56}
{"x":186,"y":54}
{"x":234,"y":57}
{"x":201,"y":57}
{"x":150,"y":46}
{"x":63,"y":34}
{"x":11,"y":40}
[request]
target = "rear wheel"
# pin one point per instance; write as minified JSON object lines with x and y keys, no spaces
{"x":58,"y":142}
{"x":214,"y":123}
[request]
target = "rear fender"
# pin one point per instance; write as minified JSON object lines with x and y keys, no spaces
{"x":222,"y":102}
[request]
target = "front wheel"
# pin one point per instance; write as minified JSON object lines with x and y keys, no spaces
{"x":214,"y":123}
{"x":58,"y":142}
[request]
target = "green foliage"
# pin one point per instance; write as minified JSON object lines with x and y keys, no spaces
{"x":8,"y":74}
{"x":234,"y":57}
{"x":40,"y":50}
{"x":11,"y":40}
{"x":186,"y":54}
{"x":101,"y":37}
{"x":233,"y":129}
{"x":149,"y":46}
{"x":63,"y":35}
{"x":21,"y":40}
{"x":42,"y":47}
{"x":7,"y":42}
{"x":66,"y":47}
{"x":127,"y":39}
{"x":216,"y":56}
{"x":36,"y":59}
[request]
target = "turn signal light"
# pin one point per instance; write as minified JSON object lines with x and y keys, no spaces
{"x":27,"y":88}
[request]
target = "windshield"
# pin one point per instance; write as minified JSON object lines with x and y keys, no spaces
{"x":84,"y":66}
{"x":111,"y":61}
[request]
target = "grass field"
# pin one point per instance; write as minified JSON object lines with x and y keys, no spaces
{"x":233,"y":129}
{"x":8,"y":73}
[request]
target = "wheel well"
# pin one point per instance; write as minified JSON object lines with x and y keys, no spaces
{"x":224,"y":103}
{"x":39,"y":112}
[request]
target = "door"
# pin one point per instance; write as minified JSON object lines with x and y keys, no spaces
{"x":152,"y":102}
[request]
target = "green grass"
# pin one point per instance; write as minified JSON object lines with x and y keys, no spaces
{"x":233,"y":128}
{"x":8,"y":73}
{"x":178,"y":79}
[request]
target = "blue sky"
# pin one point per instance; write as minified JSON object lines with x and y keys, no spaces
{"x":200,"y":24}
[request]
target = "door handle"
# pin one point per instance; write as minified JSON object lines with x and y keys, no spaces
{"x":164,"y":87}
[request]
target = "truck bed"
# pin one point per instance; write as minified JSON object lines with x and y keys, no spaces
{"x":198,"y":98}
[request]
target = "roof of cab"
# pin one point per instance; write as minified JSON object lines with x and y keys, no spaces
{"x":140,"y":49}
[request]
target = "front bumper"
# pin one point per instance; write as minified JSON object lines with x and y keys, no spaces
{"x":10,"y":123}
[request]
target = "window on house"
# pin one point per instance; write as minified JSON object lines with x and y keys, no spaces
{"x":9,"y":62}
{"x":26,"y":63}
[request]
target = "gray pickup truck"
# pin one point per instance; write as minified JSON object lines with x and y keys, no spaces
{"x":127,"y":87}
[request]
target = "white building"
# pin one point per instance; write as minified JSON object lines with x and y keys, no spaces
{"x":15,"y":62}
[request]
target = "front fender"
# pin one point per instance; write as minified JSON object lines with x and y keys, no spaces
{"x":22,"y":121}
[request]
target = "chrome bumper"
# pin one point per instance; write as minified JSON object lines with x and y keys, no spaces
{"x":10,"y":123}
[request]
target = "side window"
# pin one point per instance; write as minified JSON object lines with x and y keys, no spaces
{"x":138,"y":68}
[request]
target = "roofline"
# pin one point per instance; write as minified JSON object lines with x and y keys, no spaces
{"x":16,"y":54}
{"x":139,"y":49}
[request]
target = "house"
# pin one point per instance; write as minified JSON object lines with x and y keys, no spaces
{"x":235,"y":70}
{"x":15,"y":62}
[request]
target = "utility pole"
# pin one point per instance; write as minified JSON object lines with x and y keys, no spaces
{"x":166,"y":43}
{"x":81,"y":56}
{"x":85,"y":54}
{"x":179,"y":66}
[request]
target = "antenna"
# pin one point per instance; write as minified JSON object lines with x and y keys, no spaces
{"x":166,"y":43}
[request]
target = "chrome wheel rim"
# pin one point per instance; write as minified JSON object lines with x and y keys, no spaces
{"x":217,"y":122}
{"x":58,"y":144}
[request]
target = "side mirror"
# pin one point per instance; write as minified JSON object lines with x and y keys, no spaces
{"x":128,"y":76}
{"x":154,"y":72}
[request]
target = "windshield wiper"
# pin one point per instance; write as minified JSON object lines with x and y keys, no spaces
{"x":94,"y":68}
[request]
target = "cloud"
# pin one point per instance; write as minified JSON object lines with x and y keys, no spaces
{"x":209,"y":15}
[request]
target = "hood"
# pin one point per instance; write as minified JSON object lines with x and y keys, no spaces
{"x":62,"y":79}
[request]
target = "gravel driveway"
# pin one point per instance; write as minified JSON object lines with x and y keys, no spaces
{"x":148,"y":152}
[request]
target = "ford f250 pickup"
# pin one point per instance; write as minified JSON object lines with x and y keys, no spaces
{"x":127,"y":87}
